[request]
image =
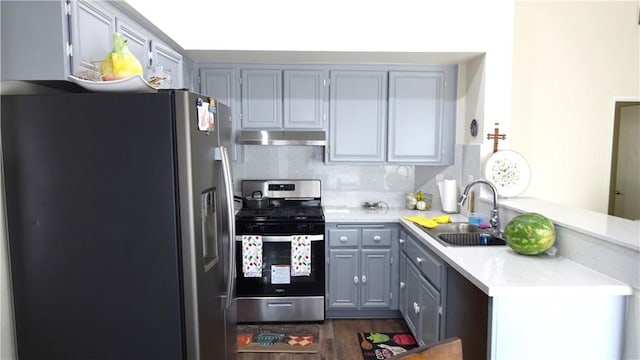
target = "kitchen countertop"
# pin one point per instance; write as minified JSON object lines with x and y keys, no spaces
{"x":496,"y":270}
{"x":616,"y":230}
{"x":334,"y":214}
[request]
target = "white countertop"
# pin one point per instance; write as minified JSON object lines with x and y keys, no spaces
{"x":616,"y":230}
{"x":496,"y":270}
{"x":362,"y":215}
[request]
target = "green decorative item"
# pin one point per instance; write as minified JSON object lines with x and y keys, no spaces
{"x":530,"y":234}
{"x":377,"y":338}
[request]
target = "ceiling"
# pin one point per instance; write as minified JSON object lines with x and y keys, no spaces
{"x":321,"y":32}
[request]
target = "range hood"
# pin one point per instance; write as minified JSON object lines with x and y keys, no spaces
{"x":279,"y":137}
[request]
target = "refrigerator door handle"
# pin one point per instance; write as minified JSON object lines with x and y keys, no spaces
{"x":228,"y":182}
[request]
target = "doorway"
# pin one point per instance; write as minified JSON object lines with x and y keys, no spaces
{"x":624,"y":187}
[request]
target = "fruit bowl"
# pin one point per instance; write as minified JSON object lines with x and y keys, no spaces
{"x":134,"y":84}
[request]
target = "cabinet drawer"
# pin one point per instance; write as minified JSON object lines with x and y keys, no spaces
{"x":343,"y":237}
{"x":376,"y":237}
{"x":403,"y":241}
{"x":431,"y":267}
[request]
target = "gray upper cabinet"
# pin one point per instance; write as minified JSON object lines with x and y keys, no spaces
{"x":170,"y":60}
{"x":92,"y":29}
{"x":72,"y":36}
{"x":151,"y":52}
{"x":221,"y":84}
{"x":421,"y":116}
{"x":190,"y":75}
{"x":305,"y":99}
{"x":261,"y":98}
{"x":138,"y":41}
{"x":358,"y":110}
{"x":34,"y":37}
{"x":283,"y":99}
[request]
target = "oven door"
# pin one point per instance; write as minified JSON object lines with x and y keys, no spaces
{"x":276,"y":279}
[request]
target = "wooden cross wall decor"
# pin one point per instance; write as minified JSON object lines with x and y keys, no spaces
{"x":496,"y":136}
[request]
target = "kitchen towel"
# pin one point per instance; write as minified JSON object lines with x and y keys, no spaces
{"x":301,"y":254}
{"x":252,"y":255}
{"x":449,"y":195}
{"x":429,"y":223}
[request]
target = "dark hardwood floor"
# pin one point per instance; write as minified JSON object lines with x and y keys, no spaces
{"x":338,"y":339}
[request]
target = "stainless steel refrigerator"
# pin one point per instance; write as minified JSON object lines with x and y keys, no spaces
{"x":120,"y":219}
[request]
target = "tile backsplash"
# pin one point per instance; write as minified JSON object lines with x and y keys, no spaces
{"x":344,"y":184}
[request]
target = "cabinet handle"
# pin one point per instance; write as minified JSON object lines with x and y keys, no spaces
{"x":416,"y":307}
{"x":401,"y":284}
{"x":377,"y":238}
{"x":401,"y":241}
{"x":419,"y":260}
{"x":343,"y":238}
{"x":364,"y":279}
{"x":355,"y":279}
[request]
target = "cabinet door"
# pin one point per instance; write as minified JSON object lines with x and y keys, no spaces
{"x":221,"y":84}
{"x":34,"y":40}
{"x":412,"y":277}
{"x":91,"y":34}
{"x":421,"y":120}
{"x":305,"y":99}
{"x":358,"y":114}
{"x":375,"y":278}
{"x":171,"y":62}
{"x":139,"y":43}
{"x":344,"y":281}
{"x":261,"y":99}
{"x":429,"y":329}
{"x":402,"y":296}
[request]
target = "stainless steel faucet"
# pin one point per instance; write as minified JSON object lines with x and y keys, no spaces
{"x":495,"y":218}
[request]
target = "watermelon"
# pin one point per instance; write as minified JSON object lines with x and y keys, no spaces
{"x":530,"y":234}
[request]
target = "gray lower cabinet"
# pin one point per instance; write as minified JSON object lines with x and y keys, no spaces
{"x":362,"y":270}
{"x":422,"y":283}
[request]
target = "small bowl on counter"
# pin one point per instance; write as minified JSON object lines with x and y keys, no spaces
{"x":369,"y":205}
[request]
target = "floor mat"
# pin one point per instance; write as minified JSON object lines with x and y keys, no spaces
{"x":278,"y":338}
{"x":379,"y":345}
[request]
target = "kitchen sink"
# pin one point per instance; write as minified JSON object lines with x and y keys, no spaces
{"x":471,"y":239}
{"x":463,"y":234}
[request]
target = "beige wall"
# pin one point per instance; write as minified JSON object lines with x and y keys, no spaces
{"x":571,"y":58}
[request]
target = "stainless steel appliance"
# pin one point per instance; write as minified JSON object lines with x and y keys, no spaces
{"x":275,"y":291}
{"x":120,"y":225}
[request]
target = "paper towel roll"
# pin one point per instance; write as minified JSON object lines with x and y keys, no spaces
{"x":449,"y":196}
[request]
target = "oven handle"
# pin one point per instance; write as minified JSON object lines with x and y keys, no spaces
{"x":284,"y":238}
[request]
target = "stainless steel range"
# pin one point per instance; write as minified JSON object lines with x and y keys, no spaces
{"x":280,"y":253}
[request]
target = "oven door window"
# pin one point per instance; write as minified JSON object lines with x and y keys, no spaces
{"x":276,"y":279}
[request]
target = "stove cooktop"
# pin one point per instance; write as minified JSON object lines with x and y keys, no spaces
{"x":275,"y":214}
